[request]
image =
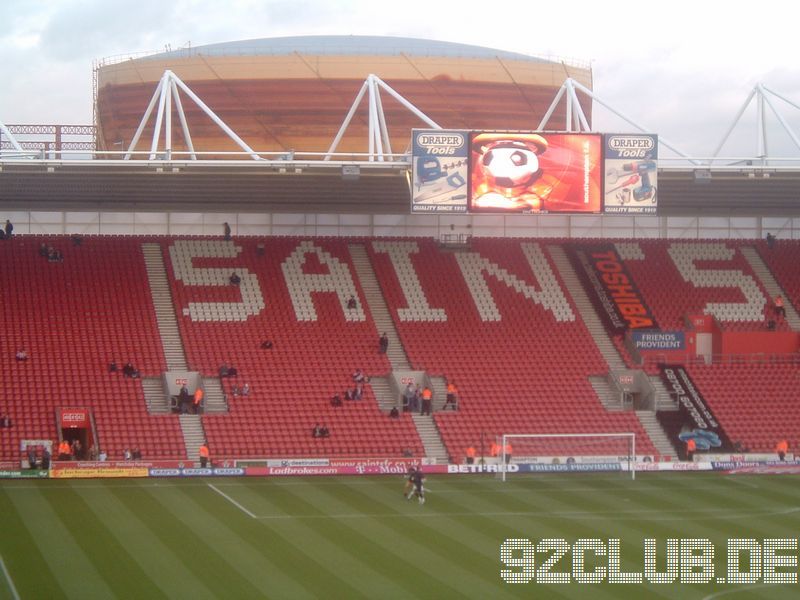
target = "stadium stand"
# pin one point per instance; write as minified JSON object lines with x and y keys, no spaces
{"x":496,"y":319}
{"x":756,"y":402}
{"x":782,"y":262}
{"x":676,"y":280}
{"x":318,"y":343}
{"x":73,"y":318}
{"x":518,"y":353}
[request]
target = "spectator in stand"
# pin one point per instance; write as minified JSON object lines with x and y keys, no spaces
{"x":113,"y":367}
{"x":336,"y":401}
{"x":93,"y":453}
{"x":77,"y":449}
{"x":127,"y":454}
{"x":184,"y":400}
{"x":21,"y":355}
{"x":102,"y":456}
{"x":451,"y":399}
{"x":227,"y":371}
{"x":351,"y":303}
{"x":407,"y":398}
{"x":427,"y":401}
{"x":245,"y":391}
{"x":43,"y":250}
{"x":136,"y":454}
{"x":197,"y":402}
{"x":130,"y":371}
{"x":235,"y":279}
{"x":782,"y":448}
{"x":5,"y":421}
{"x":691,"y":448}
{"x":358,"y":376}
{"x":780,"y":310}
{"x":64,"y":450}
{"x":383,"y":343}
{"x":226,"y":230}
{"x":394,"y":413}
{"x":471,"y":455}
{"x":30,"y":452}
{"x":9,"y":228}
{"x":266,"y":345}
{"x":358,"y":393}
{"x":54,"y":255}
{"x":205,"y":456}
{"x":494,"y":450}
{"x":45,"y":458}
{"x":317,"y":431}
{"x":770,"y":241}
{"x":76,"y":239}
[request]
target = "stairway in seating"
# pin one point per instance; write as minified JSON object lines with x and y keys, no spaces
{"x":431,"y":439}
{"x":383,"y":394}
{"x":609,"y":399}
{"x":439,"y":389}
{"x":586,"y":309}
{"x":193,"y":436}
{"x":214,"y":400}
{"x":607,"y":349}
{"x":165,"y":310}
{"x":656,"y":433}
{"x":770,"y":284}
{"x":154,"y":395}
{"x":377,"y":306}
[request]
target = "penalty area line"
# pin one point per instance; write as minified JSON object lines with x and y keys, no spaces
{"x":11,"y":586}
{"x":232,"y":501}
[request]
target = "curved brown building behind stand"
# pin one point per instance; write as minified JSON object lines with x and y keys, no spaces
{"x":293,"y":93}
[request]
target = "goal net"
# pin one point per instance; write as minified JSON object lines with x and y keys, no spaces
{"x":567,"y":453}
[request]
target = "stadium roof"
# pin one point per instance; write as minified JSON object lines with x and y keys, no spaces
{"x":347,"y":44}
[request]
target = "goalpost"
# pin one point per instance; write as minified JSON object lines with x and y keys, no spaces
{"x":577,"y":451}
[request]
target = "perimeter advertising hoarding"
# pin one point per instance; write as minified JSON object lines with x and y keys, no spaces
{"x":631,"y":173}
{"x":440,"y":171}
{"x":535,"y":172}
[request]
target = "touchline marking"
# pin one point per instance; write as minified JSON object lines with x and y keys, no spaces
{"x":632,"y":514}
{"x":232,"y":501}
{"x":8,"y":578}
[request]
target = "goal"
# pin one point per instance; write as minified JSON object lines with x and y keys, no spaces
{"x":567,"y":452}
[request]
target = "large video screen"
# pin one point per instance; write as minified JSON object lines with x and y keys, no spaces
{"x":535,"y":172}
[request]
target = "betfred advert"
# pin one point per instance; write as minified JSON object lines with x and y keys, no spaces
{"x":631,"y":174}
{"x":535,"y":172}
{"x":440,"y":171}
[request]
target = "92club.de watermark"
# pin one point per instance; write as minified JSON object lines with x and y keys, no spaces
{"x":675,"y":560}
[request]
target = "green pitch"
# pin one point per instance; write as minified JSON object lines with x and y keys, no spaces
{"x":359,"y":538}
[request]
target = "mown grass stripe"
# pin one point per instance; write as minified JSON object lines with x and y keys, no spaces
{"x":77,"y":573}
{"x":432,"y":551}
{"x":164,"y":568}
{"x":20,"y":550}
{"x":388,"y":563}
{"x":113,"y":561}
{"x":262,"y":554}
{"x":163,"y":509}
{"x":338,"y":562}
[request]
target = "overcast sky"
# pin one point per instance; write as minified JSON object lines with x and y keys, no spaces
{"x":679,"y":68}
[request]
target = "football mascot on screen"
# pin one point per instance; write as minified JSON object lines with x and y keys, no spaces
{"x":507,"y":176}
